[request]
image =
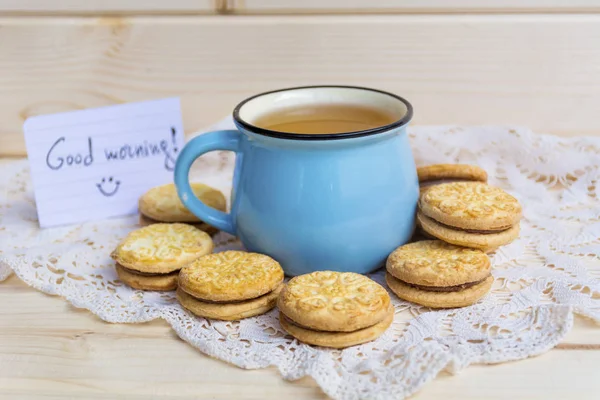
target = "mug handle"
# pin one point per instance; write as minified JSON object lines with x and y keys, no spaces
{"x":217,"y":140}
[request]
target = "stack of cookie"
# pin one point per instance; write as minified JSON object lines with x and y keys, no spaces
{"x":162,"y":204}
{"x":230,"y":285}
{"x":334,"y":309}
{"x":470,"y":214}
{"x":436,"y":274}
{"x":150,"y":258}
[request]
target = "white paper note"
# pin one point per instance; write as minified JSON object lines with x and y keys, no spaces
{"x":96,"y":163}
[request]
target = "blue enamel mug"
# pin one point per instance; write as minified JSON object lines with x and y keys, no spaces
{"x":338,"y":201}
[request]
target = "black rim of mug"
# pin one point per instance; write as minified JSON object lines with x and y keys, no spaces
{"x":329,"y":136}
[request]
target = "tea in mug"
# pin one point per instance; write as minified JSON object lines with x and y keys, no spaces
{"x":324,"y":119}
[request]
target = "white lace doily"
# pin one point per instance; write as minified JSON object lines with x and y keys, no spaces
{"x":549,"y":273}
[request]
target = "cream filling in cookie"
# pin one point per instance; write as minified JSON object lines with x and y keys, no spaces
{"x":133,"y":271}
{"x":337,"y":340}
{"x":229,"y":311}
{"x":290,"y":321}
{"x":456,"y":288}
{"x":479,"y":231}
{"x":226,"y":301}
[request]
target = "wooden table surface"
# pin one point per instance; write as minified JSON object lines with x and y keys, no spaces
{"x":51,"y":350}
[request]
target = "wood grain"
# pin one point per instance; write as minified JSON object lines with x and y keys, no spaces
{"x":411,"y":6}
{"x":538,"y":71}
{"x":194,"y":7}
{"x":113,"y":7}
{"x":48,"y":349}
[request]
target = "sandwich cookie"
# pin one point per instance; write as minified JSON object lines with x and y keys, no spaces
{"x":151,"y":257}
{"x":470,"y":214}
{"x":230,"y":285}
{"x":436,"y":174}
{"x":162,"y":204}
{"x":145,"y":281}
{"x":439,"y":275}
{"x":334,"y":309}
{"x":484,"y":241}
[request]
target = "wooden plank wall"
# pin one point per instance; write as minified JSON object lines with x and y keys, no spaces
{"x":529,"y":62}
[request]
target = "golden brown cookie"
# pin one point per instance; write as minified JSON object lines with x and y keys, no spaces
{"x":471,"y":205}
{"x":435,"y":263}
{"x":229,"y":311}
{"x":447,"y":299}
{"x":334,"y":301}
{"x":486,"y":242}
{"x":231,"y":276}
{"x":459,"y":172}
{"x":158,"y":282}
{"x":203,"y":226}
{"x":163,"y":204}
{"x":162,"y":248}
{"x":337,"y":339}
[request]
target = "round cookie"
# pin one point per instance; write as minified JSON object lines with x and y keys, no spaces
{"x":428,"y":298}
{"x":162,"y":248}
{"x":203,"y":226}
{"x":334,"y":301}
{"x":471,"y":205}
{"x":161,"y":282}
{"x":463,"y":172}
{"x":162,"y":203}
{"x":435,"y":263}
{"x":229,"y":311}
{"x":486,"y":242}
{"x":337,"y":340}
{"x":231,"y":276}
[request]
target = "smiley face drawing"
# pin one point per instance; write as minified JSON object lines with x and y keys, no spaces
{"x":108,"y":187}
